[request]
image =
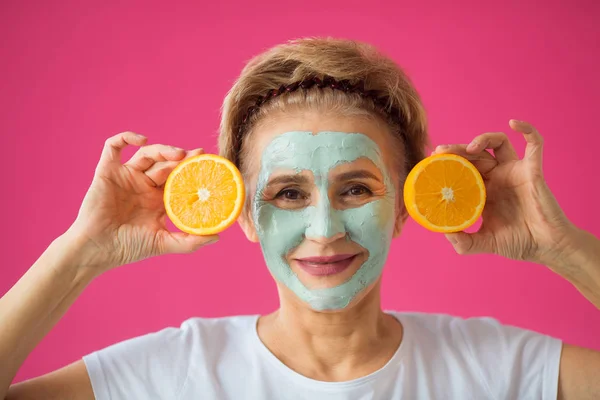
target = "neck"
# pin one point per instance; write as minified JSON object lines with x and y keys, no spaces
{"x":331,"y":346}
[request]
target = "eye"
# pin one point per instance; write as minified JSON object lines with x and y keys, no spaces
{"x":358,"y":190}
{"x":290,"y":195}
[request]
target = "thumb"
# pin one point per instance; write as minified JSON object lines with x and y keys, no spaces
{"x":184,"y":243}
{"x":471,"y":243}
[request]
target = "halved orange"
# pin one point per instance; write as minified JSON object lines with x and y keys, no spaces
{"x":445,"y":193}
{"x":204,"y":194}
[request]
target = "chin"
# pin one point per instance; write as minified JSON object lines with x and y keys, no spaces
{"x":360,"y":299}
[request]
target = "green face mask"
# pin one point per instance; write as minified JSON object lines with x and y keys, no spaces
{"x":280,"y":231}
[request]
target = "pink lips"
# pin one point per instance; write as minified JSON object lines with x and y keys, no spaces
{"x":323,"y":266}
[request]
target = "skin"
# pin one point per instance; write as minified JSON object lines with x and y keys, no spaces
{"x":122,"y":216}
{"x":313,"y":345}
{"x":309,"y":187}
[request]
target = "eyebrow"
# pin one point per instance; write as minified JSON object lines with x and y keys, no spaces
{"x":303,"y":180}
{"x":288,"y":179}
{"x":358,"y":174}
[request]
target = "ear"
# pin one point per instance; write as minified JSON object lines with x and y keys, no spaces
{"x":247,"y":224}
{"x":401,"y":217}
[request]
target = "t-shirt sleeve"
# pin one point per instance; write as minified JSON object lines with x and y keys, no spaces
{"x":152,"y":366}
{"x":516,"y":363}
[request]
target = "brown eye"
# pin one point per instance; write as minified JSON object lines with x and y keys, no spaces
{"x":358,"y":190}
{"x":290,"y":194}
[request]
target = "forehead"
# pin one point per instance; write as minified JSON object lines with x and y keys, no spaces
{"x":267,"y":131}
{"x":319,"y":152}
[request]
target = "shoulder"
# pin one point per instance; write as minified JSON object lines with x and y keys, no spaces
{"x":199,"y":336}
{"x":218,"y":326}
{"x":214,"y":334}
{"x":511,"y":360}
{"x":160,"y":361}
{"x":192,"y":333}
{"x":476,"y":331}
{"x":451,"y":336}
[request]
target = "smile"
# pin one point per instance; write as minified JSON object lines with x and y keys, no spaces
{"x":324,"y":266}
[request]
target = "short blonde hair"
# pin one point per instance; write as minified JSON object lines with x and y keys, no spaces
{"x":342,"y":60}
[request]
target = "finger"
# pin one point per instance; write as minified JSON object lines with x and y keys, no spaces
{"x":183,"y":243}
{"x":497,"y":141}
{"x":472,"y":243}
{"x":159,"y":172}
{"x":145,"y":157}
{"x":111,"y":153}
{"x":195,"y":152}
{"x":483,"y":161}
{"x":535,"y":141}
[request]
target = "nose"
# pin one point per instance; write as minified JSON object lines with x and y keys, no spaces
{"x":325,"y":224}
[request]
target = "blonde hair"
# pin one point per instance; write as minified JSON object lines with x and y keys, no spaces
{"x":307,"y":59}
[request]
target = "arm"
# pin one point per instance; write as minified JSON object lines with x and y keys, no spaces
{"x":523,"y":221}
{"x":36,"y":303}
{"x":116,"y":225}
{"x":580,"y":264}
{"x":69,"y":383}
{"x":579,"y":377}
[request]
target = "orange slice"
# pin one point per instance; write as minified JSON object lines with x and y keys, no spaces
{"x":204,"y":194}
{"x":445,"y":193}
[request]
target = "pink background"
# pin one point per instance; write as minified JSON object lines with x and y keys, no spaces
{"x":74,"y":74}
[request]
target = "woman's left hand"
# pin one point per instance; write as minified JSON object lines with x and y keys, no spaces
{"x":521,"y":219}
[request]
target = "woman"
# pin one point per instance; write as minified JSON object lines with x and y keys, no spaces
{"x":324,"y":132}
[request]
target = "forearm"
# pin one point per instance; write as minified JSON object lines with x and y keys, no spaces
{"x":31,"y":308}
{"x":581,"y":264}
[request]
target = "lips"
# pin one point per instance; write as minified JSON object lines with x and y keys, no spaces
{"x":324,"y":266}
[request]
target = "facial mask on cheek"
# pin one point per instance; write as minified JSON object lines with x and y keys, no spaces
{"x":280,"y":231}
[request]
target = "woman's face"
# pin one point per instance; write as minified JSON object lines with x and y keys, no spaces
{"x":324,"y":205}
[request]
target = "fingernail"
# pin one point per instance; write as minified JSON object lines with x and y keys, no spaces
{"x":443,"y":146}
{"x":140,"y":136}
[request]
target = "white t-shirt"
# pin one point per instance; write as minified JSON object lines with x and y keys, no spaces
{"x":441,"y":357}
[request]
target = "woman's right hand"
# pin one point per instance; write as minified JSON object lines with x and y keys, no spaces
{"x":122,"y":218}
